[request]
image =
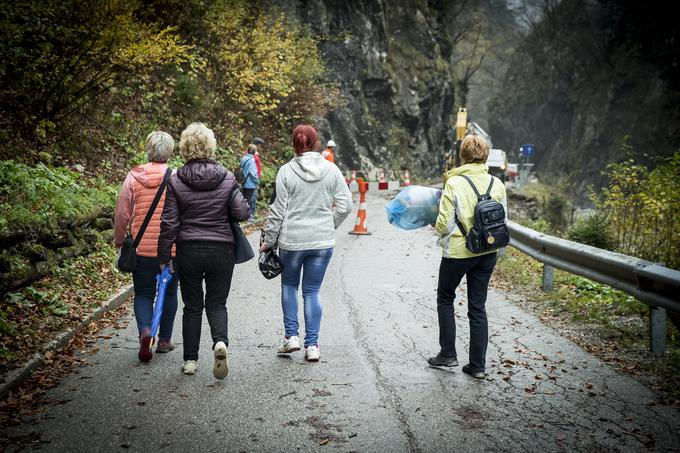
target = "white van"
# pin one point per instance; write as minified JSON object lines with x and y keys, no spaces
{"x":497,"y":163}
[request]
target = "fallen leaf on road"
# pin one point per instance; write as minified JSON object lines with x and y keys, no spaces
{"x":323,"y":441}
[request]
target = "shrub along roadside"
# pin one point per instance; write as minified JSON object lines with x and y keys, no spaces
{"x":602,"y":320}
{"x":39,"y":200}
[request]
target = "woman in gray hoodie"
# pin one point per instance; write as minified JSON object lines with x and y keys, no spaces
{"x":312,"y":200}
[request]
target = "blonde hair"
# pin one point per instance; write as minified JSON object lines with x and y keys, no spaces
{"x":197,"y":141}
{"x":474,"y":149}
{"x":159,"y":146}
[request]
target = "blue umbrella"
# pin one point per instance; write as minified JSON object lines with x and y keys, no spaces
{"x":162,"y":281}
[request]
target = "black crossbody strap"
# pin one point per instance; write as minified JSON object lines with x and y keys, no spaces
{"x":156,"y":200}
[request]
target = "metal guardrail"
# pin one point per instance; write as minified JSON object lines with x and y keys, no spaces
{"x":651,"y":283}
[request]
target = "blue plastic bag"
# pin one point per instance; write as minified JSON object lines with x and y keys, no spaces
{"x":414,"y":207}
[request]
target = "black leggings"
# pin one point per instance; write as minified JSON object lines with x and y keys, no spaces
{"x":213,"y":262}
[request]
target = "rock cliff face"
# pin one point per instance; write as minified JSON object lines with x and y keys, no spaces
{"x":591,"y":76}
{"x":392,"y":61}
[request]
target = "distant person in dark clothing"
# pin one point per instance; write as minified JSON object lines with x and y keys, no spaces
{"x":202,"y":198}
{"x":251,"y":179}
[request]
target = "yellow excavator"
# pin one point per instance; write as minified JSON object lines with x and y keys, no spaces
{"x":462,"y":128}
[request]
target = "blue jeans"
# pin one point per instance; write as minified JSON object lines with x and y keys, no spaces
{"x":144,"y":280}
{"x":312,"y":264}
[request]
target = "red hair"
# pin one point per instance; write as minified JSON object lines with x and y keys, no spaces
{"x":305,"y":138}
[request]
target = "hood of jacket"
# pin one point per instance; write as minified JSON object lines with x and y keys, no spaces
{"x":310,"y":166}
{"x":246,"y":157}
{"x":150,"y":174}
{"x":202,"y":174}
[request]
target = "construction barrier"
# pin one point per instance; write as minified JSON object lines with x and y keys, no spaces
{"x":360,"y":225}
{"x":407,"y":179}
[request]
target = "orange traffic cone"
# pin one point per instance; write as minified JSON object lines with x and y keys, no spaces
{"x":407,"y":178}
{"x":360,"y":225}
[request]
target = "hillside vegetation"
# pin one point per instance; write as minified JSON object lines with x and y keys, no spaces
{"x":587,"y":78}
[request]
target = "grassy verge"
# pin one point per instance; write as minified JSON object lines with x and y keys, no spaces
{"x":602,"y":320}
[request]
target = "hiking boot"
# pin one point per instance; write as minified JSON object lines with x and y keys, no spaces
{"x":221,"y":366}
{"x":164,"y":346}
{"x":474,"y":374}
{"x":312,"y":353}
{"x":290,"y":344}
{"x":440,"y":360}
{"x":190,"y":367}
{"x":145,"y":353}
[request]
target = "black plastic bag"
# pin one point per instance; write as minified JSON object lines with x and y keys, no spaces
{"x":270,"y":264}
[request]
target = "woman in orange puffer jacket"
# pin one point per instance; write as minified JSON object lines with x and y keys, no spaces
{"x":135,"y":199}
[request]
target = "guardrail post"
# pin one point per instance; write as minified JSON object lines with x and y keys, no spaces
{"x":657,"y":330}
{"x":548,"y":277}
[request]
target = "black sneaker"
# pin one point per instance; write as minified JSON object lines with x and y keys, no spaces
{"x":440,"y":360}
{"x":474,"y":374}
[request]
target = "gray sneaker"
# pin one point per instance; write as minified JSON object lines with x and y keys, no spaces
{"x":440,"y":360}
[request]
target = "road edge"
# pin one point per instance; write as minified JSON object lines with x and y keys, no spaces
{"x":15,"y":377}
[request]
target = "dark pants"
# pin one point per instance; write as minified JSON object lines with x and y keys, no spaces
{"x":251,"y":198}
{"x":478,"y":271}
{"x":213,"y":262}
{"x":144,"y":280}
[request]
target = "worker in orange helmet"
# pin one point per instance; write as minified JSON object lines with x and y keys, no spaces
{"x":328,"y":152}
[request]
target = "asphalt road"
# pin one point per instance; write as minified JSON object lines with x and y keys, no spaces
{"x":372,"y":390}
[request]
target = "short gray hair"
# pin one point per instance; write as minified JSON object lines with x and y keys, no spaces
{"x":159,"y":146}
{"x":197,"y":141}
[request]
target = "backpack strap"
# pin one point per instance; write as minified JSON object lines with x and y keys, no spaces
{"x":488,"y":191}
{"x":149,"y":214}
{"x":472,"y":185}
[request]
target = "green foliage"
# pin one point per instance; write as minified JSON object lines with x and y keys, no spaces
{"x":541,"y":225}
{"x":595,"y":300}
{"x":58,"y":56}
{"x":644,"y":208}
{"x":39,"y":198}
{"x":593,"y":230}
{"x":554,"y":209}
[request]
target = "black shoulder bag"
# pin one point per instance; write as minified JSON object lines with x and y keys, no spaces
{"x":242,"y":250}
{"x":127,"y":261}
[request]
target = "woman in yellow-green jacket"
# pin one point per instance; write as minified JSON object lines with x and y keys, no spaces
{"x":457,"y":206}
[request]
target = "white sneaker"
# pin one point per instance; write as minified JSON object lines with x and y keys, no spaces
{"x":221,"y":367}
{"x":312,"y":353}
{"x":189,"y":367}
{"x":291,"y":344}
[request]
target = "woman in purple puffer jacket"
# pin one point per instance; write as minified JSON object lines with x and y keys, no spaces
{"x":202,"y":198}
